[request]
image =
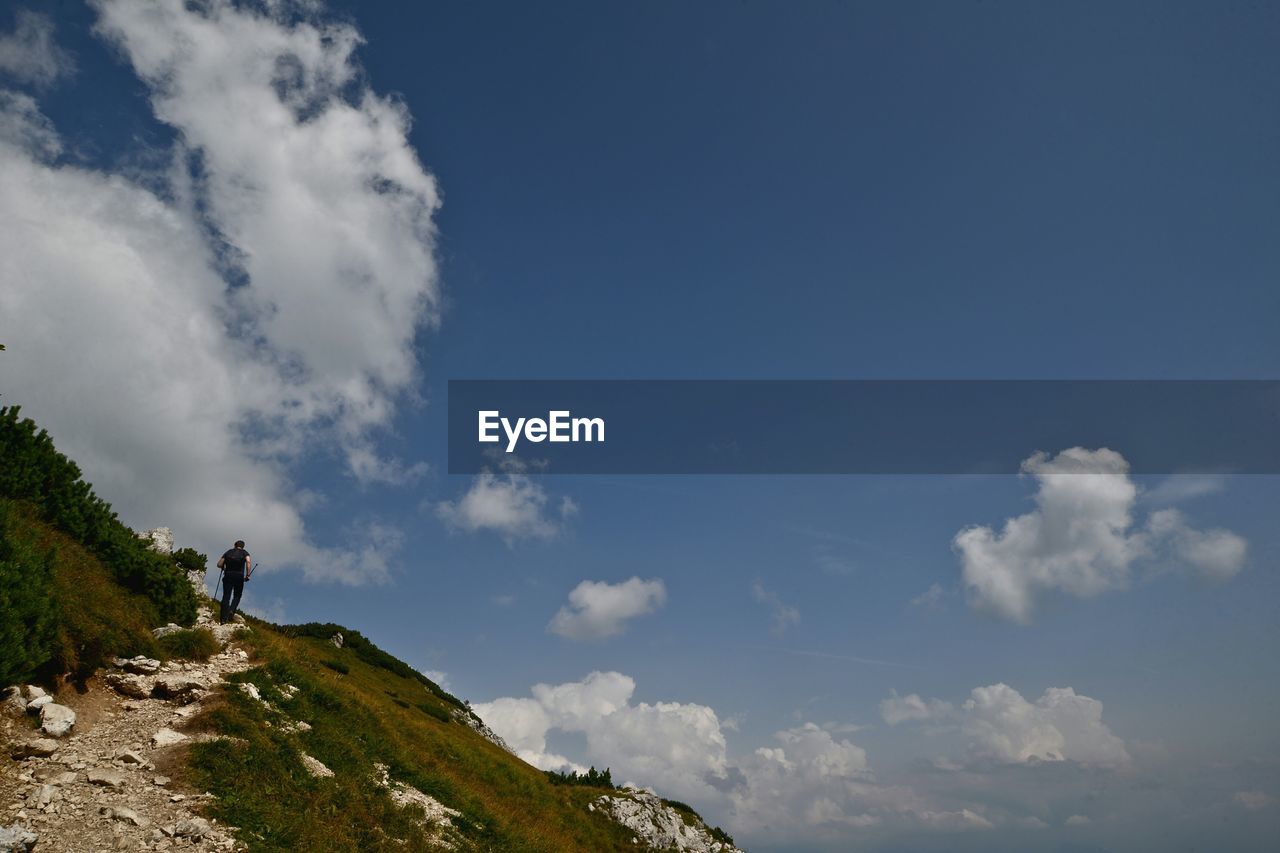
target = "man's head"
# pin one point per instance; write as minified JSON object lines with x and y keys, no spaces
{"x":239,"y":543}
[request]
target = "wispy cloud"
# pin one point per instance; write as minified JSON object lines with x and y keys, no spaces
{"x":30,"y":54}
{"x":782,"y":615}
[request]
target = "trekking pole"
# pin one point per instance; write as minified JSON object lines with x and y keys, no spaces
{"x":219,"y":586}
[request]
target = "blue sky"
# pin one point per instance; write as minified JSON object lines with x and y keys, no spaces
{"x":713,"y":190}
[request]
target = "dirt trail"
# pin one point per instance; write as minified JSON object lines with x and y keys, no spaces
{"x":107,"y":784}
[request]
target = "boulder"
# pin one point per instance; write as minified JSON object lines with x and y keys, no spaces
{"x":106,"y":777}
{"x":17,"y":839}
{"x":166,"y":630}
{"x":34,"y":705}
{"x":337,"y":639}
{"x":129,"y":685}
{"x":128,"y":756}
{"x":38,"y":748}
{"x":195,"y":827}
{"x":159,"y":539}
{"x":166,"y":737}
{"x":178,"y":687}
{"x":140,"y":665}
{"x":126,"y":815}
{"x":57,"y":720}
{"x":225,"y":633}
{"x":33,"y":692}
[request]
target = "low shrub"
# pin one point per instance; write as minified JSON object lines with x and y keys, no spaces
{"x":435,"y":711}
{"x":591,"y":779}
{"x":190,"y":560}
{"x":189,"y":644}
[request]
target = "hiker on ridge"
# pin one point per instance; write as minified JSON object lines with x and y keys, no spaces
{"x":236,"y":567}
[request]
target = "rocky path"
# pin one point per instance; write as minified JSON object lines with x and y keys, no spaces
{"x":105,"y":785}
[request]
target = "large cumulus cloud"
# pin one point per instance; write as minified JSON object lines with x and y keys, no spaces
{"x":1082,"y":538}
{"x":188,"y":334}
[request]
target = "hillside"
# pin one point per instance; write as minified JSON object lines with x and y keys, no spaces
{"x":278,"y":738}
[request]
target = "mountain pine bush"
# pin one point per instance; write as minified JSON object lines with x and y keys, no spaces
{"x":33,"y":471}
{"x":28,"y":620}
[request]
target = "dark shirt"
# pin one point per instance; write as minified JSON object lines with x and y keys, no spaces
{"x":233,"y":561}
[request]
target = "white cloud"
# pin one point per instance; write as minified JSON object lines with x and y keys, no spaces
{"x":598,"y":609}
{"x":30,"y":54}
{"x":1216,"y":554}
{"x":783,"y":615}
{"x":672,"y":746}
{"x":931,"y":598}
{"x":1004,"y":727}
{"x":913,"y":708}
{"x":507,"y":503}
{"x":1182,"y":487}
{"x":1059,"y":726}
{"x":805,"y":783}
{"x":1077,"y":820}
{"x":1081,"y":538}
{"x":263,"y":303}
{"x":1253,"y":800}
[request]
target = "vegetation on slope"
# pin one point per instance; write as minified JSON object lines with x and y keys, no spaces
{"x":77,"y":588}
{"x":61,"y":610}
{"x":362,"y":714}
{"x":35,"y":473}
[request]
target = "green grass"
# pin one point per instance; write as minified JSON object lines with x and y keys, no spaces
{"x":95,"y":618}
{"x":372,"y":715}
{"x":189,"y":644}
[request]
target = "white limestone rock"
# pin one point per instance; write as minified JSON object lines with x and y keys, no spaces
{"x":658,"y":825}
{"x":158,"y":539}
{"x":315,"y":767}
{"x":195,"y":827}
{"x":17,"y":839}
{"x":435,"y":813}
{"x":124,"y":814}
{"x":57,"y":720}
{"x":140,"y":665}
{"x":178,"y":687}
{"x":166,"y":737}
{"x":472,"y":720}
{"x":129,"y":685}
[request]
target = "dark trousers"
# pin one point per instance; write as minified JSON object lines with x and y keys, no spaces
{"x":232,"y":589}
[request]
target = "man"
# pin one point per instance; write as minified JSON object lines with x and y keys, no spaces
{"x":236,"y":567}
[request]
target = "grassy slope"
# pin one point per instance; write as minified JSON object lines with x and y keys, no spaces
{"x":362,"y":714}
{"x":97,"y":617}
